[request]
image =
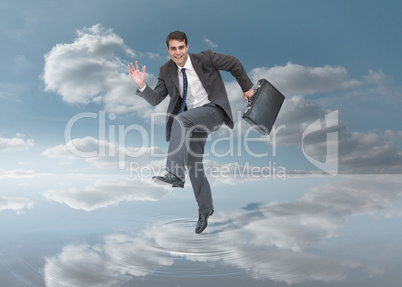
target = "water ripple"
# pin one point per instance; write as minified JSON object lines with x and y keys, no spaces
{"x":169,"y":249}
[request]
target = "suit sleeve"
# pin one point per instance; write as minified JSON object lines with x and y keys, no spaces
{"x":157,"y":95}
{"x":233,"y":65}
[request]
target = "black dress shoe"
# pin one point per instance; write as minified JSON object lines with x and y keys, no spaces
{"x":203,"y":222}
{"x":170,"y":179}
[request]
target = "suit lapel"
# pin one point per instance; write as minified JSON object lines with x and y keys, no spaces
{"x":173,"y":74}
{"x":198,"y":69}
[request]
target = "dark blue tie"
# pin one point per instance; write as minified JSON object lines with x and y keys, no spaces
{"x":183,"y":103}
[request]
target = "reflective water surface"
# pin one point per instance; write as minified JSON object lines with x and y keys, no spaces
{"x":298,"y":231}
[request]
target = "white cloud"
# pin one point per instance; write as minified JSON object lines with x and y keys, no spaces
{"x":17,"y":173}
{"x":364,"y":194}
{"x":294,"y":79}
{"x":143,"y":163}
{"x":394,"y":135}
{"x":104,"y":154}
{"x":210,"y":44}
{"x":17,"y":204}
{"x":368,"y":152}
{"x":154,"y":56}
{"x":359,"y":152}
{"x":85,"y":145}
{"x":374,"y":77}
{"x":89,"y":70}
{"x":104,"y":193}
{"x":17,"y":143}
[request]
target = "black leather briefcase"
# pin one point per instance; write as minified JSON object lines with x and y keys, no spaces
{"x":263,"y":107}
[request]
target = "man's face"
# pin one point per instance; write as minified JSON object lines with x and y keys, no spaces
{"x":178,"y":52}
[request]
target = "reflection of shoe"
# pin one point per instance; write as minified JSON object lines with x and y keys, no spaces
{"x":170,"y":179}
{"x":203,"y":222}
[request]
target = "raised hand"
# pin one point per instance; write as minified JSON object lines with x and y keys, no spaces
{"x":137,"y":75}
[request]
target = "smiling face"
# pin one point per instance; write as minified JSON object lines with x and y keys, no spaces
{"x":178,"y":52}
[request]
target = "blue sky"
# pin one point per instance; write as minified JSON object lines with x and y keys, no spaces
{"x":64,"y":87}
{"x":339,"y":55}
{"x":75,"y":139}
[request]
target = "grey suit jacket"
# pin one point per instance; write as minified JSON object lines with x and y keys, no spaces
{"x":207,"y":65}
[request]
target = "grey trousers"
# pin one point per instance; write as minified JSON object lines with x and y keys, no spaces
{"x":190,"y":130}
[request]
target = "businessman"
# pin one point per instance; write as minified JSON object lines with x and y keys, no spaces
{"x":198,"y":105}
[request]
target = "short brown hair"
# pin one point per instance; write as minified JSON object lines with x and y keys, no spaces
{"x":177,"y":35}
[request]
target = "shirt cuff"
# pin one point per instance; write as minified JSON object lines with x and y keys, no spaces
{"x":143,"y":88}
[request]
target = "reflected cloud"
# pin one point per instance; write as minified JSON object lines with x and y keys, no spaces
{"x":110,"y":264}
{"x":17,"y":173}
{"x":275,"y":241}
{"x":121,"y":256}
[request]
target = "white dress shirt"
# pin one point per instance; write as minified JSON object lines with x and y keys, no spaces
{"x":196,"y":94}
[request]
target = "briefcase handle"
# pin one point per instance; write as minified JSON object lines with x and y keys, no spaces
{"x":250,"y":100}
